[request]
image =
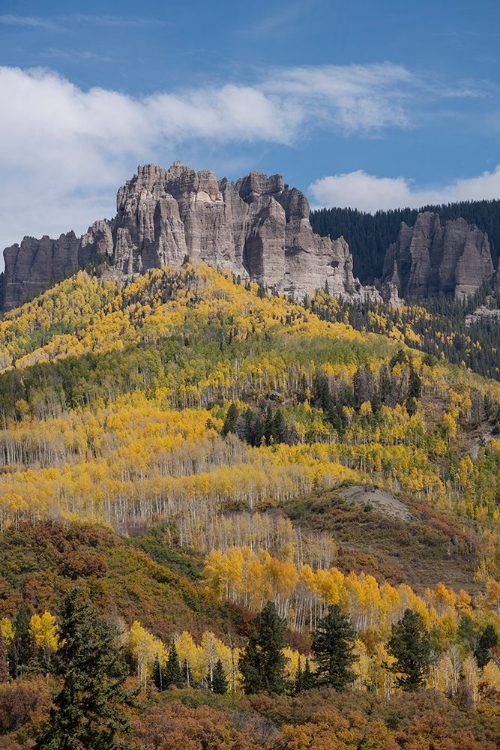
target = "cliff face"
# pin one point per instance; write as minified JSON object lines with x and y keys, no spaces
{"x":256,"y":227}
{"x":37,"y":264}
{"x":429,"y":259}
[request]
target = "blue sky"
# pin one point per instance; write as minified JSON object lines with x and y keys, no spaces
{"x":363,"y":103}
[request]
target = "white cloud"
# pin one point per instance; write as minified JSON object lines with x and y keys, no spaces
{"x":369,"y":193}
{"x":352,"y":97}
{"x":65,"y":22}
{"x":64,"y":151}
{"x":62,"y":148}
{"x":106,"y":20}
{"x":29,"y":21}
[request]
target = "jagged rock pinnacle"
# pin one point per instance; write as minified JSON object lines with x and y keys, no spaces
{"x":257,"y":227}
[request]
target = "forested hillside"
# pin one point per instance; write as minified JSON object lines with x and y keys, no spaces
{"x":228,"y":477}
{"x":369,"y":235}
{"x":442,"y":328}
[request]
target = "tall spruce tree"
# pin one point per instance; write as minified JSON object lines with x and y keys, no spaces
{"x":21,"y":651}
{"x":411,"y":647}
{"x":158,"y":675}
{"x":172,"y":674}
{"x":262,"y":663}
{"x":219,"y":680}
{"x":87,"y":711}
{"x":487,"y":640}
{"x":304,"y":678}
{"x":332,"y":646}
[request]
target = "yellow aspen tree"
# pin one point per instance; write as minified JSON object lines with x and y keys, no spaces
{"x":7,"y":630}
{"x":144,"y":648}
{"x":472,"y":675}
{"x":43,"y":629}
{"x":362,"y":667}
{"x":491,"y":675}
{"x":191,"y":655}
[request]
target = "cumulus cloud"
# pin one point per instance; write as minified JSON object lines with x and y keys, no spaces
{"x":64,"y":150}
{"x":370,"y":193}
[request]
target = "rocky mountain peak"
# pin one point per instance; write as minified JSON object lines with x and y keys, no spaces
{"x":257,"y":227}
{"x":433,"y":259}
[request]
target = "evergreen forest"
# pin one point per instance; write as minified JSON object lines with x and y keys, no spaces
{"x":369,"y":235}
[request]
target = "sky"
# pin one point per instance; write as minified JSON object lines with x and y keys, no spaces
{"x":359,"y":103}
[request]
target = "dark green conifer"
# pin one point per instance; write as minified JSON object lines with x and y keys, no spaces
{"x":308,"y":678}
{"x":414,"y":384}
{"x":158,"y":675}
{"x":487,"y":640}
{"x":219,"y":679}
{"x":332,"y":646}
{"x":172,"y":674}
{"x":268,"y":426}
{"x":21,"y":651}
{"x":410,"y":645}
{"x":262,"y":663}
{"x":279,"y":430}
{"x":87,"y":710}
{"x":304,"y":678}
{"x":231,"y":419}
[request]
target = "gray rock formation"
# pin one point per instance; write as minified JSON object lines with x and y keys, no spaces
{"x":37,"y":264}
{"x":257,"y":228}
{"x":430,"y":259}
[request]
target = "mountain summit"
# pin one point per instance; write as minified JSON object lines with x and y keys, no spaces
{"x":257,"y":227}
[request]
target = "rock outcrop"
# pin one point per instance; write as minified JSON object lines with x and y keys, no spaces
{"x":430,"y":259}
{"x":257,"y":228}
{"x":37,"y":264}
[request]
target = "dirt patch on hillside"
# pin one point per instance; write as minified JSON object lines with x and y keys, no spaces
{"x":381,"y":502}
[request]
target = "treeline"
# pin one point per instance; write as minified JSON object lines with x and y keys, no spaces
{"x":334,"y":653}
{"x":86,"y":687}
{"x":369,"y":235}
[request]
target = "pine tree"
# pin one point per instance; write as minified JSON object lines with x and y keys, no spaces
{"x":297,"y":687}
{"x":262,"y":663}
{"x":410,"y":645}
{"x":308,"y":678}
{"x":87,"y":710}
{"x":21,"y":650}
{"x":487,"y":640}
{"x":172,"y":674}
{"x":332,"y":646}
{"x":304,"y":678}
{"x":158,"y":678}
{"x":219,"y":680}
{"x":280,"y":430}
{"x":230,"y":420}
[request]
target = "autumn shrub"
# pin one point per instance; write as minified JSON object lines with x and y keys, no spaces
{"x":176,"y":726}
{"x":25,"y":701}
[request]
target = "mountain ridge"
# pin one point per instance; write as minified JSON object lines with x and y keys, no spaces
{"x":259,"y":229}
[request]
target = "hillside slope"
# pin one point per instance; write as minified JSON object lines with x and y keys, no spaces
{"x":188,"y":397}
{"x":187,"y":448}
